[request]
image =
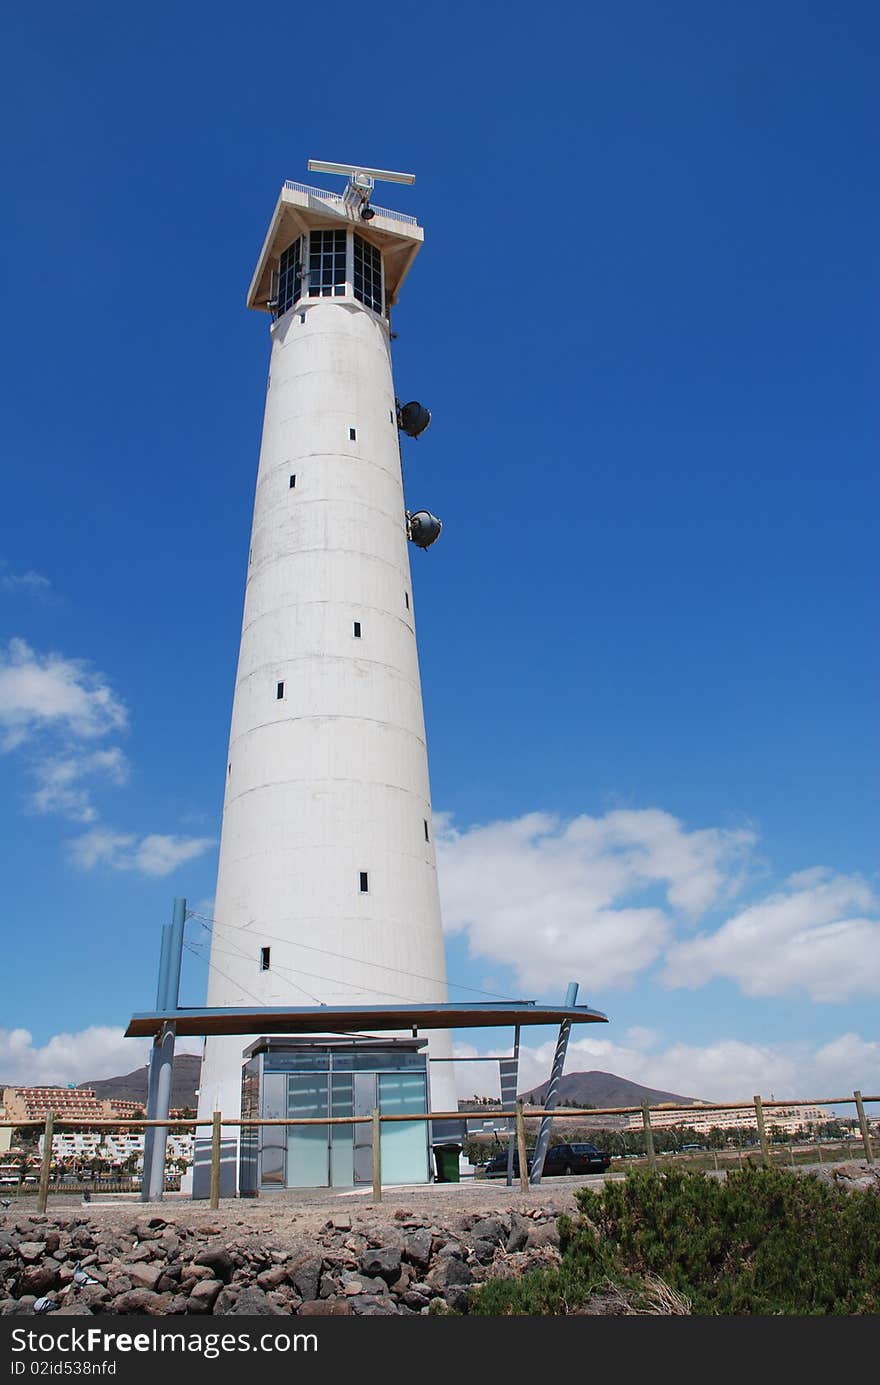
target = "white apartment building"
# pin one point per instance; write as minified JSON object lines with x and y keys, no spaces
{"x":115,"y":1147}
{"x":794,"y":1120}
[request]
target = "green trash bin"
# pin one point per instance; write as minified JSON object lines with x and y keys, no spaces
{"x":446,"y":1161}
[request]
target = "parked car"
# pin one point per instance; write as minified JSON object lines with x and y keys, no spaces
{"x":577,"y":1158}
{"x":559,"y":1159}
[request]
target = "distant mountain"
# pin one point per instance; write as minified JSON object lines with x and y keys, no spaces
{"x":604,"y":1089}
{"x":133,"y":1086}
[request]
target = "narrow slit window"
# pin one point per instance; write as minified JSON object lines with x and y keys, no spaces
{"x":292,"y":482}
{"x":352,"y":434}
{"x":279,"y":691}
{"x":427,"y":833}
{"x":365,"y":882}
{"x":264,"y":958}
{"x":406,"y":599}
{"x":357,"y":629}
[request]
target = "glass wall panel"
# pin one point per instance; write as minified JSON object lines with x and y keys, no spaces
{"x":290,"y":269}
{"x":372,"y":1060}
{"x":341,"y":1136}
{"x":326,"y":264}
{"x":296,"y":1062}
{"x":249,"y":1146}
{"x":404,"y":1144}
{"x":367,"y":273}
{"x":308,"y":1163}
{"x":274,"y":1137}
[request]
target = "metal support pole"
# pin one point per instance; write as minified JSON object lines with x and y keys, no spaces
{"x":215,"y":1162}
{"x":46,"y":1165}
{"x":164,"y":963}
{"x":863,"y":1126}
{"x":762,"y":1134}
{"x":175,"y":955}
{"x":153,"y":1075}
{"x":511,"y":1124}
{"x":156,"y":1185}
{"x":521,"y":1148}
{"x":649,"y":1136}
{"x":162,"y":1056}
{"x":552,"y":1096}
{"x":377,"y":1156}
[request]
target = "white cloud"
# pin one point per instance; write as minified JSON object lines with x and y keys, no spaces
{"x":93,"y":1053}
{"x":558,"y":900}
{"x":152,"y":855}
{"x":60,"y":781}
{"x":31,"y":583}
{"x":816,"y":934}
{"x":49,"y":691}
{"x":726,"y":1070}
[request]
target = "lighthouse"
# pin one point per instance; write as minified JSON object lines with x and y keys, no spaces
{"x":327,"y":883}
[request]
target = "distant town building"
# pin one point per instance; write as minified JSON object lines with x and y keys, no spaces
{"x":35,"y":1103}
{"x":794,"y":1120}
{"x":114,"y":1148}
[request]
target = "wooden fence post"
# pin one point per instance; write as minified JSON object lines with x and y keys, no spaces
{"x":215,"y":1162}
{"x":521,"y":1148}
{"x":377,"y":1156}
{"x":863,"y":1126}
{"x":762,"y":1135}
{"x":649,"y":1136}
{"x":46,"y":1166}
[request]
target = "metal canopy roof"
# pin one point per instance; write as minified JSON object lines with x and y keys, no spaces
{"x":350,"y":1019}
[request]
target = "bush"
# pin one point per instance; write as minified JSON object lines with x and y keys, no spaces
{"x":761,"y":1241}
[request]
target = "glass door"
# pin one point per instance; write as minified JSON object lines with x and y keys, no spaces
{"x":364,"y":1105}
{"x":308,"y":1146}
{"x":404,"y":1143}
{"x":342,"y":1136}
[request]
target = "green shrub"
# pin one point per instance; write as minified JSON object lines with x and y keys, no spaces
{"x":761,"y":1241}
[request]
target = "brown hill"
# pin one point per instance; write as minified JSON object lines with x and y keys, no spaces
{"x":133,"y":1085}
{"x":604,"y":1089}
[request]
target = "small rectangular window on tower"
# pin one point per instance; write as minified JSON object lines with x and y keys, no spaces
{"x":264,"y":958}
{"x":279,"y":690}
{"x":292,"y":481}
{"x":406,"y":599}
{"x":352,"y":433}
{"x":427,"y":834}
{"x":365,"y":882}
{"x":357,"y":629}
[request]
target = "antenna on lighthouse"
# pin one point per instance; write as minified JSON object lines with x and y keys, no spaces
{"x":360,"y":183}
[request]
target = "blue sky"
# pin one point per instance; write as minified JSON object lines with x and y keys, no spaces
{"x":645,"y":322}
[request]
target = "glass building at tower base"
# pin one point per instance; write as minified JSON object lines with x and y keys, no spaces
{"x":329,"y":1080}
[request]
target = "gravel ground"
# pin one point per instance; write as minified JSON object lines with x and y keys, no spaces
{"x":305,"y":1211}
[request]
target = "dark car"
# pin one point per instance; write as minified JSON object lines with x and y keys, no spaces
{"x":578,"y":1158}
{"x":559,"y":1159}
{"x":497,"y":1165}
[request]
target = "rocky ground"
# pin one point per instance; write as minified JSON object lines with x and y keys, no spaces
{"x":301,"y":1255}
{"x":308,"y":1253}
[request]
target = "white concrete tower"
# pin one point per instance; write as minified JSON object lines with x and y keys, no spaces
{"x":327,"y":883}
